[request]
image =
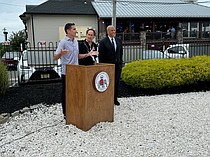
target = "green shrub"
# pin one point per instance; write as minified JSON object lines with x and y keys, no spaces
{"x":166,"y":73}
{"x":3,"y":79}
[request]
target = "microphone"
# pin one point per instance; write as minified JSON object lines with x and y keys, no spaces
{"x":96,"y":59}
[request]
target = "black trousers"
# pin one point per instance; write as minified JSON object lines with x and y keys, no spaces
{"x":63,"y":94}
{"x":117,"y":80}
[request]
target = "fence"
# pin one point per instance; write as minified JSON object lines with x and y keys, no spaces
{"x":50,"y":69}
{"x":173,"y":50}
{"x":36,"y":64}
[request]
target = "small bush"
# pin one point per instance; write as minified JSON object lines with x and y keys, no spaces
{"x":166,"y":73}
{"x":3,"y":79}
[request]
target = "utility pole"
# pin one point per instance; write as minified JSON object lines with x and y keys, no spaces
{"x":5,"y":33}
{"x":114,"y":13}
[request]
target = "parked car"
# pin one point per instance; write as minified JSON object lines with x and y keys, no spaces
{"x":11,"y":59}
{"x":173,"y":51}
{"x":38,"y":66}
{"x":177,"y":51}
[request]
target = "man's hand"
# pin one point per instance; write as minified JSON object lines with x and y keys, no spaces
{"x":63,"y":52}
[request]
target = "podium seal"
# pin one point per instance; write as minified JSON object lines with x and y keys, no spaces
{"x":102,"y":81}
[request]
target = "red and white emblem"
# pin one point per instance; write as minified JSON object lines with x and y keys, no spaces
{"x":102,"y":81}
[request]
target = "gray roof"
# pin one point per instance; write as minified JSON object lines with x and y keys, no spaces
{"x":73,"y":7}
{"x":151,"y":8}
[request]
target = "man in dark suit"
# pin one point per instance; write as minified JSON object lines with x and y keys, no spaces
{"x":111,"y":51}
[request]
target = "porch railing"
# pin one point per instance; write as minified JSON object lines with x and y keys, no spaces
{"x":135,"y":37}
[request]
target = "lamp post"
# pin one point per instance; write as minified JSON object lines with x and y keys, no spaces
{"x":114,"y":13}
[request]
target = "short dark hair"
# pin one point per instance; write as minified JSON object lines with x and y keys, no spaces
{"x":68,"y":26}
{"x":91,"y":29}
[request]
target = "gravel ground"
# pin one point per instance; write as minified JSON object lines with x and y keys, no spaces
{"x":168,"y":125}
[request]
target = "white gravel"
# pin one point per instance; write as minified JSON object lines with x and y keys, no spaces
{"x":149,"y":126}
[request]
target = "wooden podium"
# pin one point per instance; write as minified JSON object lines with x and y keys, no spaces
{"x":85,"y":104}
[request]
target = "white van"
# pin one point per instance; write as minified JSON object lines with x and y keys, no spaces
{"x":38,"y":66}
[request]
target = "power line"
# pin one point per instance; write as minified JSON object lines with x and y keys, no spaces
{"x":11,"y":4}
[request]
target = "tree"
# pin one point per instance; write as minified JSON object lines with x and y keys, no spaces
{"x":16,"y":39}
{"x":4,"y":48}
{"x":1,"y":50}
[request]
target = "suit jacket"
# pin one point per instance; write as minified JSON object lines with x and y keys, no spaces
{"x":107,"y":53}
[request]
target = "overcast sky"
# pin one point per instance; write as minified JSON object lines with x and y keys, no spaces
{"x":12,"y":9}
{"x":9,"y":15}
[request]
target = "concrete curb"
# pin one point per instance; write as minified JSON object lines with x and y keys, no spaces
{"x":4,"y":117}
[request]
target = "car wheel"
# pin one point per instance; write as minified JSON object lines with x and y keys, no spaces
{"x":20,"y":80}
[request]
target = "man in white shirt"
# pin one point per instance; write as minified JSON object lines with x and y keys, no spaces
{"x":68,"y":52}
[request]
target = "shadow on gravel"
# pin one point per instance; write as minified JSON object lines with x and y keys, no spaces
{"x":50,"y":93}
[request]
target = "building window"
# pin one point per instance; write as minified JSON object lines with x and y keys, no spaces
{"x":185,"y":29}
{"x":206,"y":30}
{"x":190,"y":29}
{"x":193,"y":29}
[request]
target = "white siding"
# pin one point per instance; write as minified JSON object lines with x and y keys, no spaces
{"x":46,"y":27}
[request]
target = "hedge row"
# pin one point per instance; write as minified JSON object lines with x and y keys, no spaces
{"x":166,"y":73}
{"x":3,"y":79}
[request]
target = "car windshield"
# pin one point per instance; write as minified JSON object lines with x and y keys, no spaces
{"x":177,"y":49}
{"x":11,"y":55}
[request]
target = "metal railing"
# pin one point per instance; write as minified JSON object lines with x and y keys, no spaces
{"x":131,"y":52}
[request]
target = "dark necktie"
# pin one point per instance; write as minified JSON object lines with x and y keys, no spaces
{"x":113,"y":44}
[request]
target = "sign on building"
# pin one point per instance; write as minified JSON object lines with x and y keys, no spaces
{"x":42,"y":43}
